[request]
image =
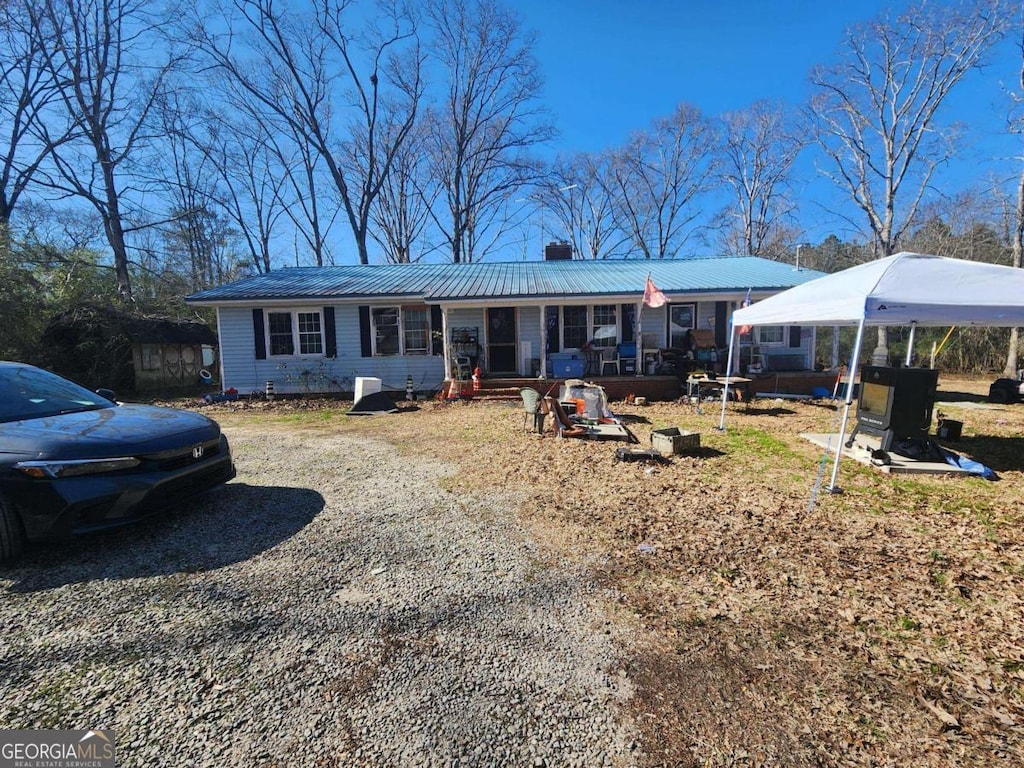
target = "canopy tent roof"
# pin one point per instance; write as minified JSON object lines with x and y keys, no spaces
{"x":903,"y":289}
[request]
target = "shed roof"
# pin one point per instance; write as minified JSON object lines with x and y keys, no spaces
{"x":103,"y":321}
{"x":439,"y":283}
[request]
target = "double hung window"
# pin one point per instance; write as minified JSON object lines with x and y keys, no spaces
{"x":575,"y":329}
{"x":770,"y":334}
{"x":291,"y":333}
{"x":606,"y":326}
{"x":400,"y":331}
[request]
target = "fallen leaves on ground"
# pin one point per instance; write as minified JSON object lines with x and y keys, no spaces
{"x":775,"y":623}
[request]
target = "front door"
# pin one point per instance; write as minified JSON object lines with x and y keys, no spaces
{"x":501,"y":341}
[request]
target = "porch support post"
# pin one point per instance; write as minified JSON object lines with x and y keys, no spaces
{"x":543,"y":341}
{"x":446,"y":344}
{"x":638,"y":337}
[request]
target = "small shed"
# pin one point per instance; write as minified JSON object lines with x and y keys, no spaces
{"x":102,"y":346}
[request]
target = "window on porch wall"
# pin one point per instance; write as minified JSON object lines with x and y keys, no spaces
{"x":606,"y":326}
{"x":575,"y":328}
{"x":771,"y":334}
{"x":681,"y":319}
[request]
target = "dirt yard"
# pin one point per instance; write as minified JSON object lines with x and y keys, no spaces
{"x":775,"y":624}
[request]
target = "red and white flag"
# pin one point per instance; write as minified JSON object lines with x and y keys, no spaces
{"x":652,"y":296}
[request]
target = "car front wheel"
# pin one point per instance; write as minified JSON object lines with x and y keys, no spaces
{"x":12,"y":537}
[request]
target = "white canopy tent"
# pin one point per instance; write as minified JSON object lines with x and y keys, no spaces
{"x":907,"y":289}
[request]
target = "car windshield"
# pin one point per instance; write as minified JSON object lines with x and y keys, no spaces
{"x":32,"y":393}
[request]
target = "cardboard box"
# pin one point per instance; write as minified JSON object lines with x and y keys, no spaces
{"x":672,"y":441}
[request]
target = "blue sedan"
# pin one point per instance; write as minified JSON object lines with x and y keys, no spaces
{"x":73,"y":461}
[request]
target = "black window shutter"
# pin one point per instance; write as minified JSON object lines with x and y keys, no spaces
{"x":260,"y":334}
{"x":720,"y":330}
{"x":436,"y":330}
{"x":364,"y":332}
{"x":330,"y":333}
{"x":628,"y":321}
{"x":794,"y":335}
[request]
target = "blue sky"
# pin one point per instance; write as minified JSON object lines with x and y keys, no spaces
{"x":611,"y":67}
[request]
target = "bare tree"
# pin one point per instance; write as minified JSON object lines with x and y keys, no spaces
{"x":26,"y":91}
{"x":306,"y":73}
{"x":487,"y":122}
{"x":102,"y":62}
{"x":402,"y":209}
{"x":876,"y":111}
{"x":658,"y":178}
{"x":196,"y":233}
{"x":577,"y":193}
{"x":760,"y":149}
{"x":307,"y":205}
{"x":250,"y":184}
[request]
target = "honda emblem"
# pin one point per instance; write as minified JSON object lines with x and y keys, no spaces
{"x":197,"y":452}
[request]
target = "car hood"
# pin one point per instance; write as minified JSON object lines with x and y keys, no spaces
{"x":118,"y":431}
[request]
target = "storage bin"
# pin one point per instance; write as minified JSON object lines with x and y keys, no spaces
{"x":671,"y":441}
{"x":566,"y":366}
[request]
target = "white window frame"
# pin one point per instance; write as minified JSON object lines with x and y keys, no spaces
{"x":588,"y":326}
{"x":761,"y":342}
{"x":402,"y":351}
{"x":591,"y":325}
{"x":668,"y":320}
{"x":296,"y":335}
{"x":602,"y":343}
{"x":427,"y":336}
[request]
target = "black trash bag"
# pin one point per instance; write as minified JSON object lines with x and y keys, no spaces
{"x":919,"y":448}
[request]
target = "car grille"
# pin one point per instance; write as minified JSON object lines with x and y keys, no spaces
{"x":185,"y":457}
{"x":169,"y":493}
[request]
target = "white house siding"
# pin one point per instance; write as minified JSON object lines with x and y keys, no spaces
{"x":245,"y":373}
{"x":529,"y":333}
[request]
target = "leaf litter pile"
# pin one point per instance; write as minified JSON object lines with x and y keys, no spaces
{"x":880,"y":626}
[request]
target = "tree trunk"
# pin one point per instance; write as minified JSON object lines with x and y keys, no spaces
{"x":115,"y":234}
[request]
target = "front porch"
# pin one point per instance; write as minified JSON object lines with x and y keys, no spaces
{"x":658,"y":388}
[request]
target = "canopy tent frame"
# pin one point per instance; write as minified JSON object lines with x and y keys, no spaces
{"x":906,"y":289}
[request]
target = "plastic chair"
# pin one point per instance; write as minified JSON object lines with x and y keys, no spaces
{"x":531,"y":407}
{"x":610,"y":357}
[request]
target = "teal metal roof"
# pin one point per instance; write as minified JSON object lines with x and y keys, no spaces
{"x":439,"y":283}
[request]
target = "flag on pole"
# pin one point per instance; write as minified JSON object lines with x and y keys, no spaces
{"x":652,"y":296}
{"x":745,"y":329}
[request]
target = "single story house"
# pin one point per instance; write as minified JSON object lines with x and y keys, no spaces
{"x":316,"y":329}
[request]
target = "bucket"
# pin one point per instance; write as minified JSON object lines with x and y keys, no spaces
{"x":949,"y":429}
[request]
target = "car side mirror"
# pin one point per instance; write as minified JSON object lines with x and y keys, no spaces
{"x":107,"y":393}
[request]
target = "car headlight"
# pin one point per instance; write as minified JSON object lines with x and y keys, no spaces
{"x":55,"y":469}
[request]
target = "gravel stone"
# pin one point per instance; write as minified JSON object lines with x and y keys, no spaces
{"x":334,"y":605}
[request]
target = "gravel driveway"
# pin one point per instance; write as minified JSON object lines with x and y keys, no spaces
{"x":332,"y":606}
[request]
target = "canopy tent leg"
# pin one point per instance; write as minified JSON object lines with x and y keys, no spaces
{"x":910,"y":345}
{"x":833,"y":488}
{"x":728,"y":373}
